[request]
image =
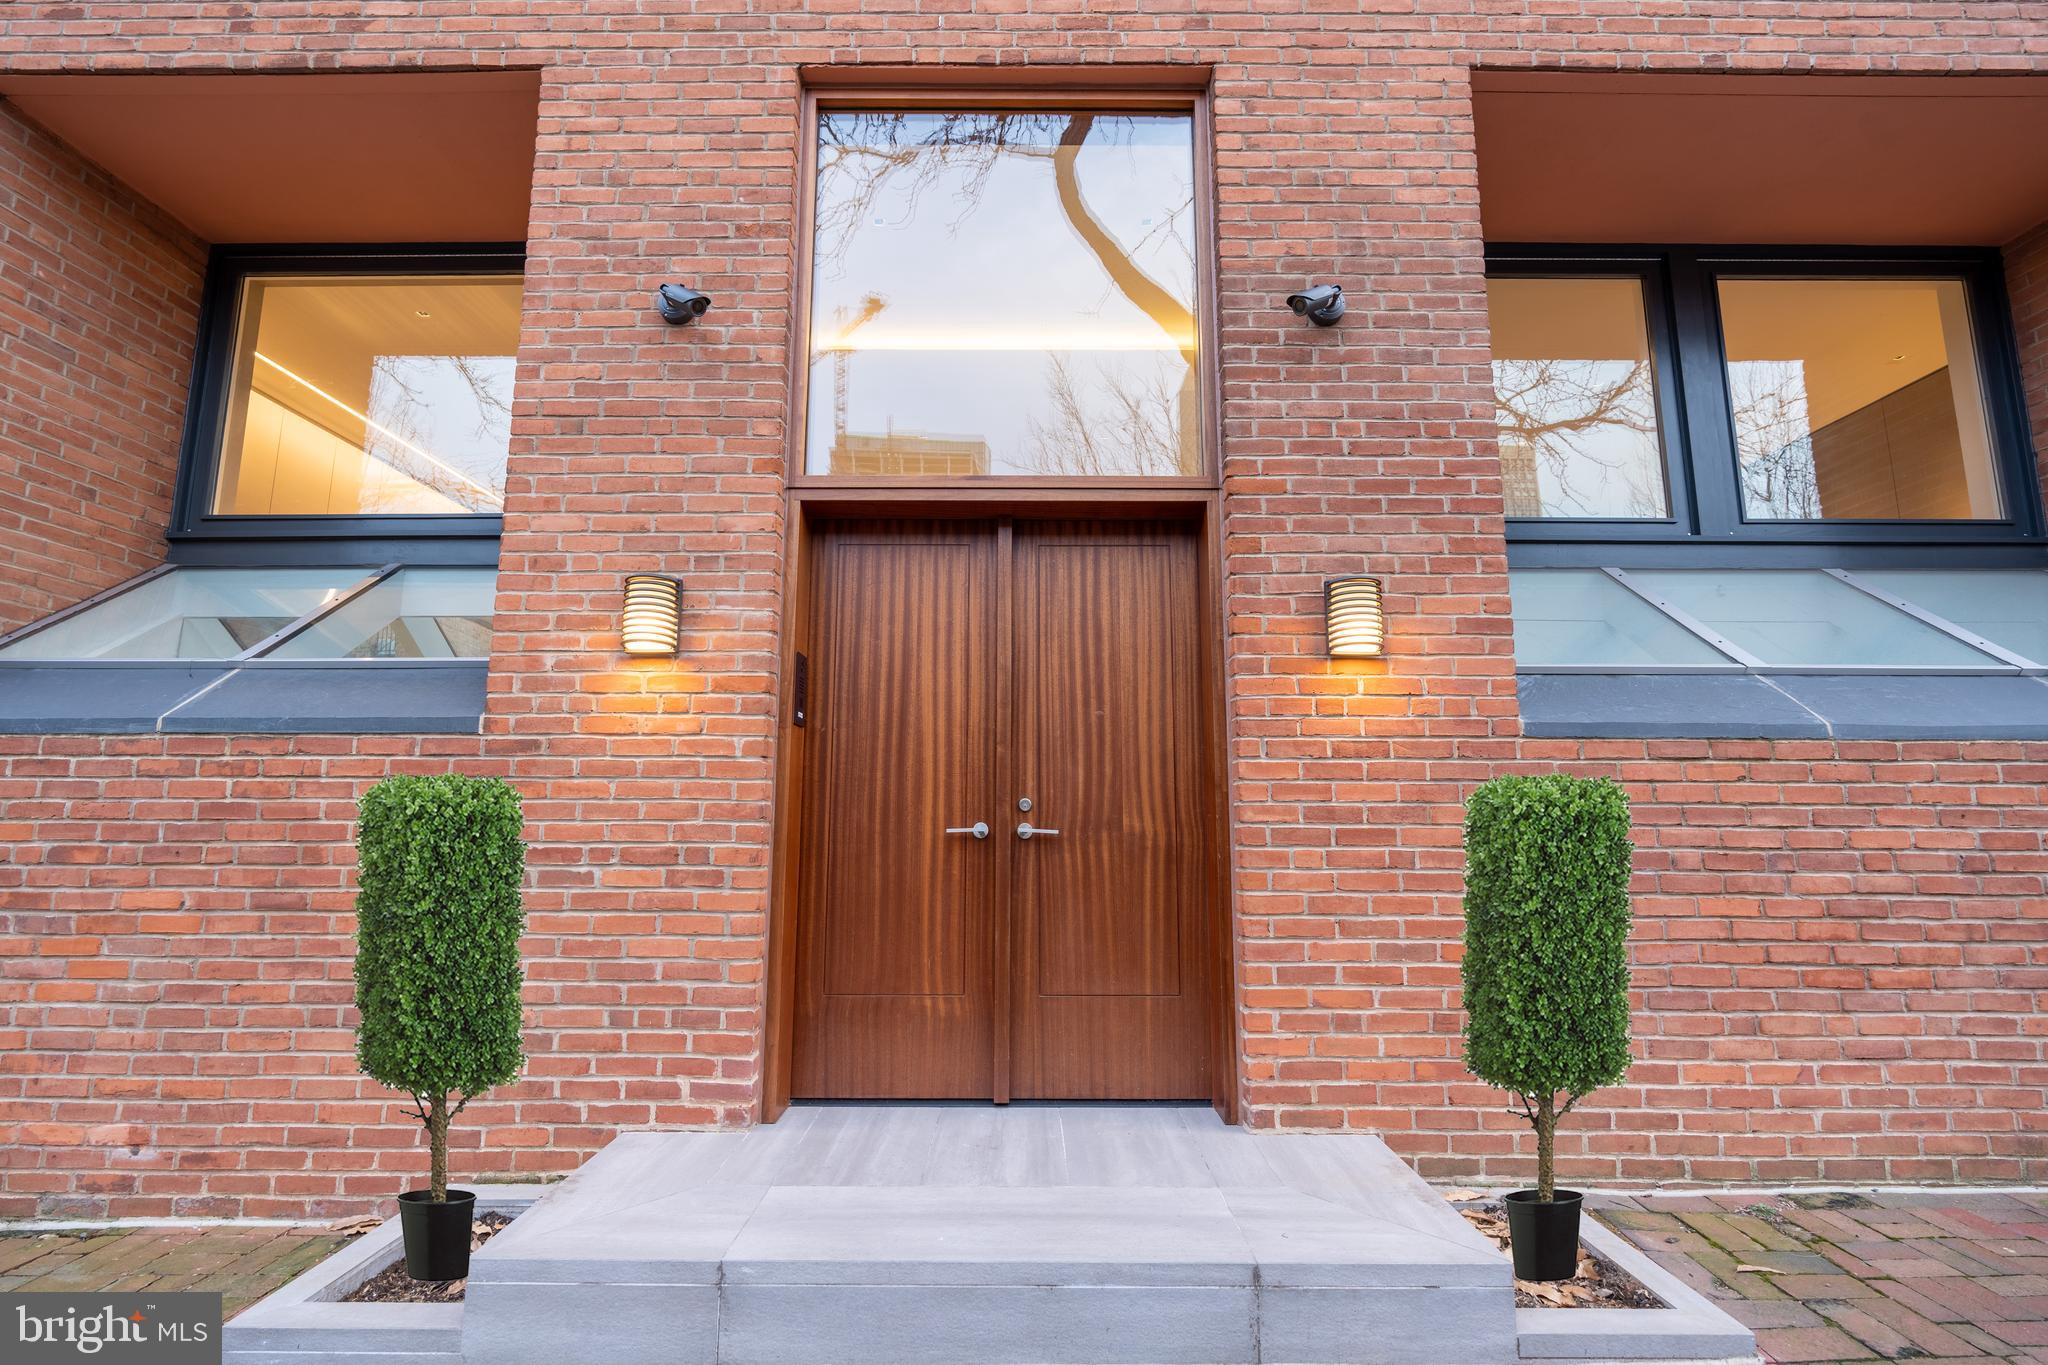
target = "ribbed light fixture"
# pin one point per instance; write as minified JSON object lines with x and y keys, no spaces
{"x":653,"y":620}
{"x":1357,"y":626}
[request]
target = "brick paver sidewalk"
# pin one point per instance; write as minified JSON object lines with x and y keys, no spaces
{"x":244,"y":1264}
{"x":1936,"y":1278}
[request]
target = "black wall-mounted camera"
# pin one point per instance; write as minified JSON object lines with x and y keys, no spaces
{"x":680,"y":304}
{"x":1321,"y":304}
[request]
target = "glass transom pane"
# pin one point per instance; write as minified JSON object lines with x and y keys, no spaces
{"x":1857,"y":399}
{"x":2008,"y":607}
{"x":1575,"y":399}
{"x":1004,"y":294}
{"x":1583,"y":617}
{"x":387,"y":395}
{"x":189,"y":614}
{"x":414,"y":614}
{"x":1803,"y":618}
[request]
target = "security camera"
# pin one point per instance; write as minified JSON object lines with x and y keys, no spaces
{"x":1321,"y":304}
{"x":681,"y":304}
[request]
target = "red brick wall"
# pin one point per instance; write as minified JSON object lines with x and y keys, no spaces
{"x":2026,"y":282}
{"x":1838,"y":970}
{"x":99,"y":303}
{"x":1837,"y":942}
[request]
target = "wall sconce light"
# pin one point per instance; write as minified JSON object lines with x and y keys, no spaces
{"x":1357,"y":627}
{"x":653,"y":619}
{"x":681,"y":305}
{"x":1321,"y":304}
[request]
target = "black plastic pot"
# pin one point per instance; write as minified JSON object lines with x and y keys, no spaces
{"x":1545,"y":1237}
{"x":436,"y":1235}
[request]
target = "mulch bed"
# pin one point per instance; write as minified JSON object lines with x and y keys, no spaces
{"x":1599,"y":1284}
{"x":393,"y":1285}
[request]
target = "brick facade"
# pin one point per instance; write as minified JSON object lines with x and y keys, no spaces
{"x":2026,"y":283}
{"x":99,"y":304}
{"x":1838,"y":954}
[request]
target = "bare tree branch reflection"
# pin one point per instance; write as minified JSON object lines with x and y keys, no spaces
{"x":1126,"y":424}
{"x":1774,"y":439}
{"x":405,"y":391}
{"x":862,"y":154}
{"x":1579,"y":438}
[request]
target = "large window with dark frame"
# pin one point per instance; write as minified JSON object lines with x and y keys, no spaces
{"x":1758,"y":396}
{"x":364,"y":392}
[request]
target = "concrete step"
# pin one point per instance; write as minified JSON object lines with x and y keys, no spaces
{"x":858,"y":1235}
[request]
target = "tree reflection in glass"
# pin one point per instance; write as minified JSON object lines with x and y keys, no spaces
{"x":1575,"y":399}
{"x":1004,"y":293}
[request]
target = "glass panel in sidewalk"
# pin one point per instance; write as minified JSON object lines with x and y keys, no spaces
{"x":1804,"y":618}
{"x":2008,"y":607}
{"x":1582,"y":617}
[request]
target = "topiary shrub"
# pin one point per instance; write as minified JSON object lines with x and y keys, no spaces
{"x":1546,"y":945}
{"x":438,"y":920}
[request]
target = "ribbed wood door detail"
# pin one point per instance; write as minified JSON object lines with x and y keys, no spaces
{"x":895,"y":950}
{"x":1107,"y":916}
{"x":957,"y":667}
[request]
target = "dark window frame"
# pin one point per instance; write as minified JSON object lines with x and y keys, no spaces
{"x":197,"y":534}
{"x":1647,"y":269}
{"x":1707,"y":526}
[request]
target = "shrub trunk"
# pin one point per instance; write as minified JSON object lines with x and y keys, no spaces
{"x":437,"y":1147}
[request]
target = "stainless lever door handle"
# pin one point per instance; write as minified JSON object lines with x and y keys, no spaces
{"x":979,"y":829}
{"x":1027,"y":830}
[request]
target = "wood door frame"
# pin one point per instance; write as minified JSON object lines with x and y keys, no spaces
{"x":811,"y":500}
{"x":806,"y":511}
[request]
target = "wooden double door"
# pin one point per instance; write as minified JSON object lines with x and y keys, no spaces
{"x":1004,"y":885}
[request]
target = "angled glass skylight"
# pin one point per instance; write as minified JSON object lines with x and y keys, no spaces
{"x":2008,"y":607}
{"x":188,"y":613}
{"x":1805,"y":619}
{"x":1781,"y":620}
{"x":437,"y":613}
{"x":1583,"y":618}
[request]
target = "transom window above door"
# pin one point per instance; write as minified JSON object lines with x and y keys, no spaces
{"x":1006,"y":293}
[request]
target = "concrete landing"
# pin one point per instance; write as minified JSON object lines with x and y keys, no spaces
{"x":848,"y":1235}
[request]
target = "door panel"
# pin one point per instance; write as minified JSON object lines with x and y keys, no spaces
{"x":1110,"y":992}
{"x":956,"y":667}
{"x":899,"y":918}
